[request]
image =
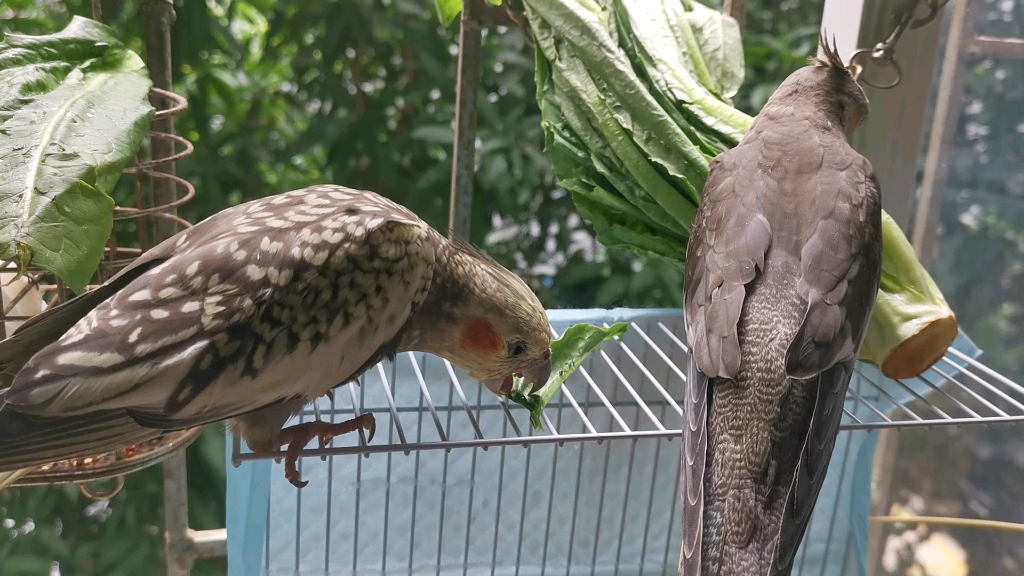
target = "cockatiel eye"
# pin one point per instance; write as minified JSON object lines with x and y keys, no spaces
{"x":516,"y":348}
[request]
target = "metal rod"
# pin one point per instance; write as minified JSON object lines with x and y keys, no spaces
{"x":625,"y":383}
{"x":947,"y":395}
{"x":640,"y":365}
{"x":551,"y":502}
{"x":657,"y":349}
{"x":870,"y":406}
{"x":415,"y":483}
{"x":575,"y":509}
{"x":391,"y":403}
{"x":579,"y":411}
{"x":387,"y":492}
{"x":991,"y":47}
{"x":522,"y":511}
{"x":607,"y":436}
{"x":298,"y":516}
{"x":970,"y":392}
{"x":469,"y":506}
{"x":464,"y":156}
{"x":330,"y":494}
{"x":938,"y":411}
{"x":179,"y":546}
{"x":852,"y":417}
{"x":160,"y":17}
{"x":894,"y":401}
{"x":600,"y":508}
{"x":625,"y":495}
{"x":444,"y":486}
{"x":943,"y":131}
{"x":509,"y":418}
{"x":497,"y":508}
{"x":990,"y":372}
{"x":600,"y":395}
{"x":356,"y":412}
{"x":462,"y":397}
{"x":426,"y":395}
{"x":738,"y":10}
{"x":988,"y":385}
{"x":835,"y":506}
{"x":675,"y":339}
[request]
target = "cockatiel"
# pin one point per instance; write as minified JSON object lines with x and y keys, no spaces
{"x":254,"y":313}
{"x":782,"y":271}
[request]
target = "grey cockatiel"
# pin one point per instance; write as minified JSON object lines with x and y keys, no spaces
{"x":782,"y":271}
{"x":252,"y":314}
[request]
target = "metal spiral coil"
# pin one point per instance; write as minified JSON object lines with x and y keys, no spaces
{"x":101,"y":476}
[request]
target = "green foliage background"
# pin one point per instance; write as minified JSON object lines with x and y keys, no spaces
{"x":285,"y":94}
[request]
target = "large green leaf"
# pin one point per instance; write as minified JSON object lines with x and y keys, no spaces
{"x":73,"y":112}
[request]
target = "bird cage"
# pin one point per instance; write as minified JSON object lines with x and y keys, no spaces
{"x":457,"y":482}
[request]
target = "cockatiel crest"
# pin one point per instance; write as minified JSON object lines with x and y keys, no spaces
{"x":782,"y":270}
{"x":254,"y":313}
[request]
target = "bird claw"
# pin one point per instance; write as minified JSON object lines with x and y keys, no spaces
{"x":296,"y":437}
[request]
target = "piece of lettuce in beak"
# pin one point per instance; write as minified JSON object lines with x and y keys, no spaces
{"x":567,"y":354}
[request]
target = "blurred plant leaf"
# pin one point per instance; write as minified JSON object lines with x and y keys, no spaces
{"x":448,"y":10}
{"x":73,"y":112}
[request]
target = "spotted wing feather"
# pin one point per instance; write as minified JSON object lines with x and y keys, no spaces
{"x":261,"y":303}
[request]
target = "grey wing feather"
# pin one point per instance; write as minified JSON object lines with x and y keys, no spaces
{"x":693,"y":461}
{"x":813,"y":466}
{"x":727,"y":248}
{"x":839,"y":272}
{"x":725,"y":253}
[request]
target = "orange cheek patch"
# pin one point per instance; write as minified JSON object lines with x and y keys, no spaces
{"x":480,"y":336}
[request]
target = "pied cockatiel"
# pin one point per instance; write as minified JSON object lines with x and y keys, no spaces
{"x":782,"y":271}
{"x":254,"y":313}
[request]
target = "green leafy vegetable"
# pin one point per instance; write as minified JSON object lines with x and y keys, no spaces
{"x":73,"y":112}
{"x":448,"y":10}
{"x":567,"y":354}
{"x":911,"y":325}
{"x":634,"y":98}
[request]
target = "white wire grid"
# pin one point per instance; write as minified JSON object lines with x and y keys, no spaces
{"x":566,"y":504}
{"x":629,"y":389}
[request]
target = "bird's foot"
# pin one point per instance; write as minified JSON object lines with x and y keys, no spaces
{"x":296,"y":437}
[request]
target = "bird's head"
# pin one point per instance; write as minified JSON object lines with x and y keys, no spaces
{"x":849,"y":102}
{"x":826,"y":86}
{"x":488,"y":322}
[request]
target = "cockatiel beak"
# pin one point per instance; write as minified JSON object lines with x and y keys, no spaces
{"x":536,"y":374}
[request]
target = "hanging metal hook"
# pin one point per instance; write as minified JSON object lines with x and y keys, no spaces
{"x":885,"y":51}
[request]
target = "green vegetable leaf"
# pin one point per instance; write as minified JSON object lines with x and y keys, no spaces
{"x":567,"y":354}
{"x":73,"y":112}
{"x":448,"y":10}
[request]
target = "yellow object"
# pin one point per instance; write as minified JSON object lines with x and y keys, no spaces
{"x":944,"y":521}
{"x":8,"y":478}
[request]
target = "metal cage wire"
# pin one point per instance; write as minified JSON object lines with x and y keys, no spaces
{"x":577,"y":499}
{"x":958,"y":390}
